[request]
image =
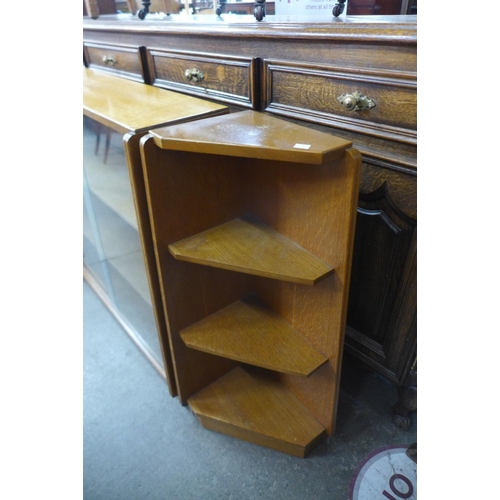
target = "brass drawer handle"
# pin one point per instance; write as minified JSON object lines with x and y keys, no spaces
{"x":109,"y":60}
{"x":356,"y":101}
{"x":194,"y":75}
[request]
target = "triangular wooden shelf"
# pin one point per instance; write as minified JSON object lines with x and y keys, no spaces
{"x":248,"y":134}
{"x":248,"y":246}
{"x":257,"y":409}
{"x":250,"y":332}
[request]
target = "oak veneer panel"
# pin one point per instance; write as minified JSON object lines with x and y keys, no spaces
{"x":313,"y":205}
{"x":119,"y":60}
{"x":253,"y":135}
{"x":190,"y":292}
{"x":250,"y":332}
{"x":257,"y":409}
{"x":248,"y":246}
{"x":128,"y":106}
{"x":228,"y":79}
{"x":316,"y":207}
{"x":310,"y":92}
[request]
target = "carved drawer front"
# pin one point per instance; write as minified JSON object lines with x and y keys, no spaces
{"x":378,"y":103}
{"x":224,"y":78}
{"x":117,"y":59}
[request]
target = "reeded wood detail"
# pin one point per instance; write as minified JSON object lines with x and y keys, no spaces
{"x":259,"y":410}
{"x":250,"y":332}
{"x":248,"y":246}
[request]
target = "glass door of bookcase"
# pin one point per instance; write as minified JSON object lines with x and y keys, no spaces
{"x":111,"y":242}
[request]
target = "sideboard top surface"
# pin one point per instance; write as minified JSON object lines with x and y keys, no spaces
{"x":133,"y":107}
{"x":301,"y":66}
{"x":402,"y":29}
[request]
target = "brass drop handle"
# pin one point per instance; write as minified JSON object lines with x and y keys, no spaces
{"x":356,"y":101}
{"x":194,"y":75}
{"x":109,"y":60}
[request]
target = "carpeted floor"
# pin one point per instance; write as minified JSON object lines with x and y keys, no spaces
{"x":139,"y":443}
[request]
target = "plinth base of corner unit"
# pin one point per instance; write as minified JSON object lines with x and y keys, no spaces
{"x":257,"y":409}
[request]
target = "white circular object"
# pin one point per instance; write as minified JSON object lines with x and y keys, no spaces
{"x":386,"y":474}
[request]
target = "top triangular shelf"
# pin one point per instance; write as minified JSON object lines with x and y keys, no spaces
{"x":250,"y":134}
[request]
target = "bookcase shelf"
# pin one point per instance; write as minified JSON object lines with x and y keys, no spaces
{"x":253,"y":224}
{"x":109,"y":181}
{"x":258,"y":409}
{"x":250,"y":332}
{"x":248,"y":246}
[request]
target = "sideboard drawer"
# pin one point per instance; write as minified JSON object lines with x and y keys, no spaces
{"x":310,"y":92}
{"x":117,"y":59}
{"x":224,"y":78}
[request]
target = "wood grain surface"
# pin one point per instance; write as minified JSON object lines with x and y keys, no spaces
{"x":248,"y":246}
{"x":128,"y":106}
{"x":225,"y":78}
{"x":257,"y":409}
{"x":250,"y":134}
{"x":312,"y":205}
{"x":249,"y":332}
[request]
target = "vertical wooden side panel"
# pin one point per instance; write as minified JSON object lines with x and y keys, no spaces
{"x":189,"y":193}
{"x":133,"y":155}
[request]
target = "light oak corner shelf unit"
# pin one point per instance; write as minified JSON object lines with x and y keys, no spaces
{"x":119,"y":260}
{"x":253,"y":223}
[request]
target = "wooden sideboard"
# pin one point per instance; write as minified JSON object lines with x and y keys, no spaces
{"x":297,"y":69}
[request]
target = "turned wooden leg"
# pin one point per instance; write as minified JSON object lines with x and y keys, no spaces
{"x":108,"y":141}
{"x":407,"y":401}
{"x":221,"y":7}
{"x":97,"y":129}
{"x":259,"y":9}
{"x":411,"y":452}
{"x":338,"y":8}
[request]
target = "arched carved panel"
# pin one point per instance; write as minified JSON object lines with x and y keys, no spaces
{"x":401,"y":187}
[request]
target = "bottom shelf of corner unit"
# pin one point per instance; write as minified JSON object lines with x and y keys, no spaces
{"x":253,"y":407}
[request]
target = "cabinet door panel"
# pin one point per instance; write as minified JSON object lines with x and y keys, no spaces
{"x":382,"y":272}
{"x":112,"y":247}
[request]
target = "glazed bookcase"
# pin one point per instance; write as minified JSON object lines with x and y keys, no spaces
{"x":118,"y":256}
